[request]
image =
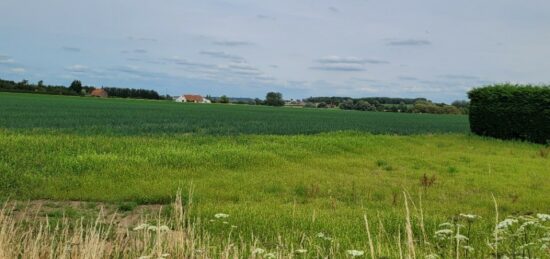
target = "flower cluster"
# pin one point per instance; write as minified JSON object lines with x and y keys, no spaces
{"x":148,"y":227}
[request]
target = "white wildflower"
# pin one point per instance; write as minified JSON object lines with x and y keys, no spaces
{"x":323,"y":236}
{"x":258,"y":251}
{"x":301,"y":251}
{"x":212,"y":220}
{"x":355,"y":253}
{"x":543,"y":217}
{"x":225,"y":222}
{"x":233,"y":226}
{"x":444,"y":232}
{"x":221,"y":216}
{"x":142,"y":226}
{"x":152,"y":228}
{"x":432,"y":256}
{"x":470,"y":217}
{"x":506,"y":223}
{"x":164,"y":228}
{"x":270,"y":255}
{"x":446,"y":225}
{"x":461,"y":237}
{"x":144,"y":257}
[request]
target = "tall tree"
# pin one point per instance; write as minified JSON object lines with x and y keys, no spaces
{"x":76,"y":86}
{"x":274,"y":99}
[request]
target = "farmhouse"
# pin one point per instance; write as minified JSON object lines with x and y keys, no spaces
{"x":99,"y":92}
{"x":190,"y":98}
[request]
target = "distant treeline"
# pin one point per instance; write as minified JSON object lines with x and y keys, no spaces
{"x":381,"y":100}
{"x":132,"y":93}
{"x":76,"y":88}
{"x":25,"y":87}
{"x":388,"y":104}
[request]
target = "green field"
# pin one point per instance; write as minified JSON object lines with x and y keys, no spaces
{"x":280,"y":173}
{"x":85,"y":116}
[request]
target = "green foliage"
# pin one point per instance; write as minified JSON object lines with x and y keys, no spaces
{"x":322,"y":105}
{"x":509,"y":111}
{"x":131,"y":93}
{"x":381,"y":100}
{"x":139,"y":117}
{"x":274,"y":99}
{"x":25,"y":87}
{"x":429,"y":107}
{"x":127,"y":206}
{"x":76,"y":86}
{"x":224,"y":99}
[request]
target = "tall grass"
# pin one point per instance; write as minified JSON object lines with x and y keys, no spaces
{"x":178,"y":235}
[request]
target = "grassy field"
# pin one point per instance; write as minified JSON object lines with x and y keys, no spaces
{"x":137,"y":117}
{"x":280,"y":184}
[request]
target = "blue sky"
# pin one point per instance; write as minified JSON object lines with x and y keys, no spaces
{"x":426,"y":48}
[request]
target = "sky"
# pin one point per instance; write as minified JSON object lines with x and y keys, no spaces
{"x":437,"y":49}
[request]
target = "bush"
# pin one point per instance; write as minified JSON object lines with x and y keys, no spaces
{"x":510,"y":111}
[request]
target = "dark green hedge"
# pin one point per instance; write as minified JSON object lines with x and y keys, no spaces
{"x":510,"y":111}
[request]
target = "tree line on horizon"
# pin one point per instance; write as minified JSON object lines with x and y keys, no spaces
{"x":76,"y":88}
{"x":388,"y":104}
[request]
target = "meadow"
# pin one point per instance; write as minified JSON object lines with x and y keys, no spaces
{"x":281,"y":180}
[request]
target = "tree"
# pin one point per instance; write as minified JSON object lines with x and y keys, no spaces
{"x":258,"y":101}
{"x":274,"y":99}
{"x":347,"y":105}
{"x":76,"y":86}
{"x":224,"y":99}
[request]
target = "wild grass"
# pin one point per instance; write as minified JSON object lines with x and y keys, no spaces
{"x":80,"y":115}
{"x":178,"y":235}
{"x":286,"y":191}
{"x":299,"y":185}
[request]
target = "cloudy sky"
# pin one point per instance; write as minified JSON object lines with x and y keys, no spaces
{"x":244,"y":48}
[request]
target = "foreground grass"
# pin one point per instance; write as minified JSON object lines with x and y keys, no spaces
{"x":287,"y":187}
{"x":80,"y":115}
{"x":177,"y":235}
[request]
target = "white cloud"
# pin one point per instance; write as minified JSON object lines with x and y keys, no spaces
{"x":6,"y":59}
{"x":77,"y":68}
{"x":18,"y":70}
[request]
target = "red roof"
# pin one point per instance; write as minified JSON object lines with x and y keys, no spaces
{"x":99,"y":92}
{"x":193,"y":98}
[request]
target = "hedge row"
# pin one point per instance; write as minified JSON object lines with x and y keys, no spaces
{"x":509,"y":111}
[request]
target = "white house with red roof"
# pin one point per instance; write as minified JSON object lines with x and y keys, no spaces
{"x":191,"y":98}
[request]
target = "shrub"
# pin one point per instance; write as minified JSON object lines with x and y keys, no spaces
{"x":508,"y":111}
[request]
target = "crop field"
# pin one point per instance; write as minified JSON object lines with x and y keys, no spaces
{"x":262,"y":182}
{"x":136,"y":117}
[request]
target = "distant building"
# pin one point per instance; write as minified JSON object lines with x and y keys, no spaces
{"x":99,"y":92}
{"x":190,"y":98}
